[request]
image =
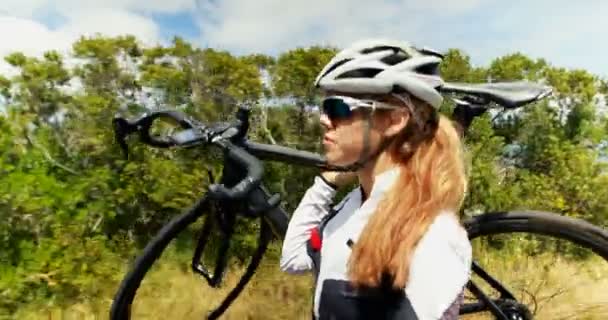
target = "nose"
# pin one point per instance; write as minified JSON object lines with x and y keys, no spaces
{"x":325,"y":122}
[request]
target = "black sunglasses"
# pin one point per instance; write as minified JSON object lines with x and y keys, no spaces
{"x":341,"y":107}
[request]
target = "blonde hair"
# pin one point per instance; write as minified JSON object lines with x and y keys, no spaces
{"x":432,"y":179}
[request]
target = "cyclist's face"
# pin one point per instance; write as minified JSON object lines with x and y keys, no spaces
{"x":344,"y":136}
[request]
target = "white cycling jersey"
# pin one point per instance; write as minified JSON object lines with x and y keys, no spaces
{"x":440,"y":266}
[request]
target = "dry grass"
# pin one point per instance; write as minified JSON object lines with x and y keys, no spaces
{"x":552,"y":287}
{"x":558,"y":289}
{"x":170,"y":291}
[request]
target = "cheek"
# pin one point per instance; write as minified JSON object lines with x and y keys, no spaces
{"x":347,"y":147}
{"x":351,"y":139}
{"x":352,"y":142}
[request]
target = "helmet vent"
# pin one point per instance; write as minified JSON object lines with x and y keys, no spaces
{"x":396,"y":58}
{"x":431,"y":69}
{"x":336,"y":65}
{"x":360,"y":73}
{"x":378,"y":48}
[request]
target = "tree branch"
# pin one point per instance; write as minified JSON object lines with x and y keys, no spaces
{"x":61,"y":141}
{"x":48,"y":156}
{"x":264,"y":121}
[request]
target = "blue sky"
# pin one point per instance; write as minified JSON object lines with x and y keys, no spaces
{"x":566,"y":33}
{"x":182,"y":24}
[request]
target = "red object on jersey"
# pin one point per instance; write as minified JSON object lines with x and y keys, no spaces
{"x":315,"y":239}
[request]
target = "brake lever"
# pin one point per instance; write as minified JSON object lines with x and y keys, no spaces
{"x":123,"y":128}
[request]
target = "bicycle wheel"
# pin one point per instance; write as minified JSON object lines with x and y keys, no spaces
{"x":507,"y":241}
{"x":216,"y":217}
{"x":121,"y":306}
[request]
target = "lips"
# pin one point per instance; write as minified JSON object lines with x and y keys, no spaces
{"x":327,"y":139}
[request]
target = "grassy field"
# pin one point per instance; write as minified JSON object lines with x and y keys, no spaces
{"x":554,"y":288}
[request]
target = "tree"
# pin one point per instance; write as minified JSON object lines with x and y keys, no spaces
{"x":293,"y":76}
{"x":456,"y":67}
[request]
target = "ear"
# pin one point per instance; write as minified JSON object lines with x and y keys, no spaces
{"x":397,"y":120}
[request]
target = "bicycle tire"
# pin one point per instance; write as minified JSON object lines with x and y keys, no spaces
{"x":548,"y":224}
{"x":545,"y":223}
{"x":121,"y":305}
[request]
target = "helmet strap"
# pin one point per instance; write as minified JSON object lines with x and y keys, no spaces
{"x":407,"y":101}
{"x":365,"y":155}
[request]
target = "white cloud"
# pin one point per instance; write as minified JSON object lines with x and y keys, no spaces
{"x":570,"y":34}
{"x":21,"y":31}
{"x":566,"y":33}
{"x":21,"y":8}
{"x":275,"y":25}
{"x":272,"y":25}
{"x":28,"y":8}
{"x":29,"y":37}
{"x":163,"y":6}
{"x":447,"y":7}
{"x":110,"y":22}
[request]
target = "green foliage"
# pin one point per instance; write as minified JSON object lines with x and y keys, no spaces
{"x":296,"y":70}
{"x":262,"y":61}
{"x":488,"y":186}
{"x":38,"y":85}
{"x":73,"y":212}
{"x":5,"y":86}
{"x":457,"y":68}
{"x":516,"y":67}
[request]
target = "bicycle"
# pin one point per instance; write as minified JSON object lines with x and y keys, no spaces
{"x":242,"y":180}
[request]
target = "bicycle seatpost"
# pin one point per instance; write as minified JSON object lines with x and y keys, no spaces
{"x":465,"y":111}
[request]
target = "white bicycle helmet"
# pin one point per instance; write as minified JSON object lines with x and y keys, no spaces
{"x":382,"y":66}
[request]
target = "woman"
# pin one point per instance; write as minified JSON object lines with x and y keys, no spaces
{"x":393,"y":248}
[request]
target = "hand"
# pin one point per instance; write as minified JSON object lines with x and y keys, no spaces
{"x":338,"y":178}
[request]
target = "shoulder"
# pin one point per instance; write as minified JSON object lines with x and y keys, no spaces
{"x":352,"y":197}
{"x":447,"y":233}
{"x":445,"y":240}
{"x":440,"y":267}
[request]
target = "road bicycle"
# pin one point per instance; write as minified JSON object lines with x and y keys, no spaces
{"x":240,"y":192}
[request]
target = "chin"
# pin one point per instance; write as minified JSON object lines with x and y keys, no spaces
{"x":336,"y":160}
{"x":331,"y":158}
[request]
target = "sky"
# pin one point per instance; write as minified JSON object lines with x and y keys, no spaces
{"x":570,"y":34}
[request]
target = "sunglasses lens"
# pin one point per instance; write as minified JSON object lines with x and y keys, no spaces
{"x":336,"y":109}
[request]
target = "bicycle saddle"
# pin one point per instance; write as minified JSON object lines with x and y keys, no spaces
{"x":508,"y":94}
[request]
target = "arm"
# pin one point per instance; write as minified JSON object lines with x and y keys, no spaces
{"x":312,"y":208}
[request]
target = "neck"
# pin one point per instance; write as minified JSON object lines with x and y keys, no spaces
{"x":368,"y":173}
